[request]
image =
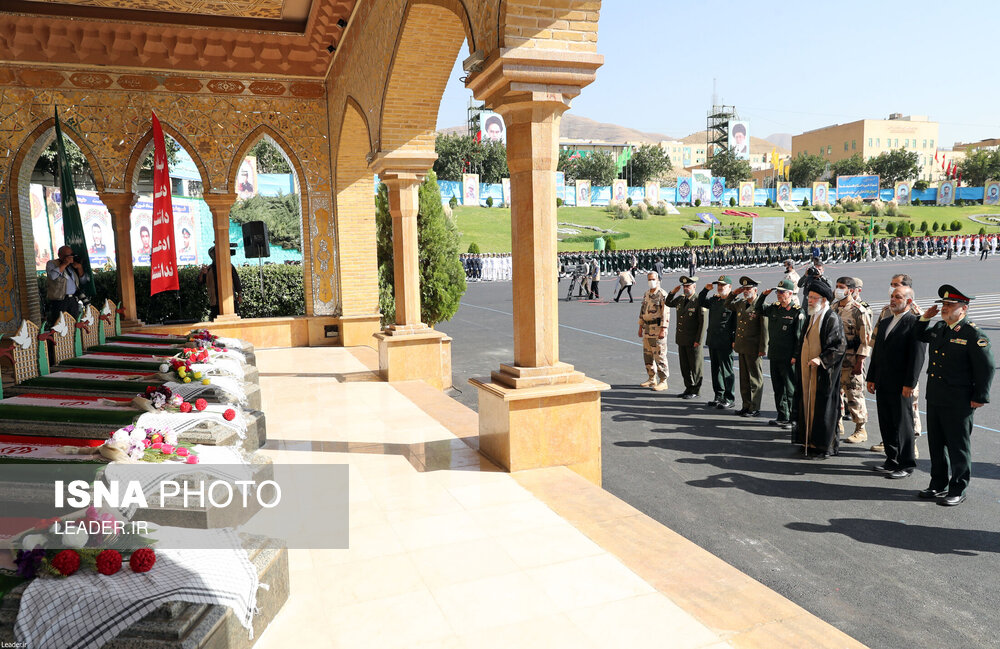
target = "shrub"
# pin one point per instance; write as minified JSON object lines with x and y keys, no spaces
{"x":474,"y":248}
{"x":924,"y":226}
{"x":855,"y":230}
{"x":982,"y":230}
{"x":707,"y":234}
{"x":916,"y":202}
{"x":692,"y":234}
{"x":811,"y":233}
{"x":877,"y":228}
{"x":768,"y":203}
{"x":805,"y":202}
{"x":732,"y":201}
{"x":609,"y":243}
{"x":697,"y":202}
{"x":559,"y":202}
{"x":936,"y":226}
{"x":489,"y":201}
{"x":842,"y":230}
{"x":628,"y":201}
{"x":876,"y":208}
{"x":687,"y":244}
{"x":453,"y":203}
{"x":892,"y":208}
{"x":956,"y":226}
{"x":890,"y":227}
{"x":639,"y":211}
{"x":837,"y":208}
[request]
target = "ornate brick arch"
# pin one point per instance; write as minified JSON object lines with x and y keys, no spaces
{"x":427,"y":44}
{"x":288,"y":153}
{"x":41,"y":134}
{"x":141,"y":149}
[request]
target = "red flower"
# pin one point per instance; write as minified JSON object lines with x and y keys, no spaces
{"x":142,"y":560}
{"x":185,"y":407}
{"x":200,"y":404}
{"x":229,"y":414}
{"x":191,"y":459}
{"x":66,"y":562}
{"x":109,"y":562}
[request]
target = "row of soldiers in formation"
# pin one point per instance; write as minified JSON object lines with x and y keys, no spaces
{"x":746,"y":255}
{"x":817,"y":364}
{"x":486,"y":267}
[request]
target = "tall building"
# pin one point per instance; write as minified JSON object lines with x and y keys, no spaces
{"x":870,"y":137}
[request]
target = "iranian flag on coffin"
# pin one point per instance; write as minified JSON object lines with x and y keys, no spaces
{"x":71,"y":401}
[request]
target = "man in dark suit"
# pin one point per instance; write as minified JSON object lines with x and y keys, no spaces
{"x":896,"y":361}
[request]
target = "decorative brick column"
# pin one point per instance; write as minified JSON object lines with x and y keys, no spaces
{"x":409,"y":349}
{"x":120,"y":205}
{"x":536,"y":411}
{"x":221,"y":204}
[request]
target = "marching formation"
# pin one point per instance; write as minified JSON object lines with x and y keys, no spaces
{"x":486,"y":267}
{"x":817,"y":348}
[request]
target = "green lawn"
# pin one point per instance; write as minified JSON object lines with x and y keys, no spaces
{"x":489,"y":227}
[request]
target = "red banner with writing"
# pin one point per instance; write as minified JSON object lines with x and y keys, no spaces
{"x":163,"y":260}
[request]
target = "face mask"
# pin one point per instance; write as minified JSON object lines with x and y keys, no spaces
{"x":839,"y":294}
{"x":653,"y":285}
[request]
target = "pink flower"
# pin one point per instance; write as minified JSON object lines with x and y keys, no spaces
{"x":147,"y":443}
{"x":167,"y":449}
{"x":181,"y":451}
{"x":192,"y":459}
{"x":157,"y":445}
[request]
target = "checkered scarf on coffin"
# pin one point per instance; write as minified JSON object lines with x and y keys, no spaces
{"x":180,"y":422}
{"x":230,"y":343}
{"x":225,"y":463}
{"x":87,"y":610}
{"x":220,"y":367}
{"x":224,"y":388}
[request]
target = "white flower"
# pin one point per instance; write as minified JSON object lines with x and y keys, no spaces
{"x":120,"y":436}
{"x":165,"y":367}
{"x":137,"y":435}
{"x":136,"y":452}
{"x":77,"y":539}
{"x":170,"y":437}
{"x":31,"y":540}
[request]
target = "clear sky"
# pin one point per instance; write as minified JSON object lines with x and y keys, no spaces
{"x":789,"y":68}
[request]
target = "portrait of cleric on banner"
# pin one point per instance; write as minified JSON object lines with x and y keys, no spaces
{"x":739,"y":139}
{"x":491,"y":127}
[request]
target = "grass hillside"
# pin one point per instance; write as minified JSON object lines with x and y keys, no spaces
{"x":489,"y":227}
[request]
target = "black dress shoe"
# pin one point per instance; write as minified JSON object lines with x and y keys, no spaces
{"x":881,"y":468}
{"x":951,"y":501}
{"x":723,"y":405}
{"x":786,"y":425}
{"x":818,"y":456}
{"x":712,"y":404}
{"x":929,"y":494}
{"x":899,"y":474}
{"x":752,"y":413}
{"x":688,"y":395}
{"x":742,"y":412}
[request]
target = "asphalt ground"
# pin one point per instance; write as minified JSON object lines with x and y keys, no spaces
{"x":858,"y":550}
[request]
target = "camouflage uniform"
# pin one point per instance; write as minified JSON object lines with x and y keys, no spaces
{"x":857,"y":320}
{"x":654,"y":316}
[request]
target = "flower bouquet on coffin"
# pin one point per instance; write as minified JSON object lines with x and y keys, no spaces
{"x":133,"y":444}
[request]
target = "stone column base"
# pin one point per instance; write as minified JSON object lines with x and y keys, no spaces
{"x":424,"y":356}
{"x":535,"y":427}
{"x":358,"y":330}
{"x":226,"y":317}
{"x":129,"y":325}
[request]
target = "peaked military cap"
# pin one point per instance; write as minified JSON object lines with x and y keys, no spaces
{"x":858,"y":283}
{"x":724,"y":279}
{"x":748,"y":281}
{"x":949,"y":293}
{"x":785,"y":285}
{"x":688,"y":280}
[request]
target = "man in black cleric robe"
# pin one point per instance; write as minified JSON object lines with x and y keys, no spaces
{"x":820,"y":359}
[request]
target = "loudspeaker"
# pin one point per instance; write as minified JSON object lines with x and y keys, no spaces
{"x":256,"y":242}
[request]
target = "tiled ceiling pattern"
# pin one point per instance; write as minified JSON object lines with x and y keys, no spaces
{"x":229,"y":8}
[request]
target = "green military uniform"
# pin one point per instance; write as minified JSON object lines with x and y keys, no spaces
{"x":719,"y":340}
{"x":751,"y":345}
{"x":959,"y":372}
{"x":689,"y":337}
{"x":785,"y":328}
{"x":857,"y":320}
{"x":654,"y":317}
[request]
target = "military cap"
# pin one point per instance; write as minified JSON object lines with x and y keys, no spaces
{"x":858,"y":283}
{"x":949,"y":293}
{"x":748,"y":281}
{"x":785,"y":285}
{"x":847,"y":281}
{"x":724,"y":279}
{"x":688,"y":280}
{"x":822,"y":289}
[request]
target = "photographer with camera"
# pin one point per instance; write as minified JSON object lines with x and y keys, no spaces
{"x":64,"y":279}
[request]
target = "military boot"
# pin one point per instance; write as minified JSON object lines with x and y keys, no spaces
{"x":659,"y":387}
{"x":860,"y":435}
{"x":648,"y":384}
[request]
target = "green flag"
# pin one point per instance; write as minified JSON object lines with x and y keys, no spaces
{"x":72,"y":223}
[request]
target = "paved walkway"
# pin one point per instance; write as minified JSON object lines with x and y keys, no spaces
{"x":448,"y":551}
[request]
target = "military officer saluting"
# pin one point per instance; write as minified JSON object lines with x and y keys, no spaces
{"x":690,"y":333}
{"x":959,"y":375}
{"x":653,"y":321}
{"x":719,"y":340}
{"x":750,"y":344}
{"x":786,"y":323}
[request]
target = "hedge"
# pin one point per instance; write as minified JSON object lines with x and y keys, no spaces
{"x":589,"y":238}
{"x":284,"y":293}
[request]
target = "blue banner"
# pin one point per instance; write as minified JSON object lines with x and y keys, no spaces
{"x":560,"y":185}
{"x":864,"y":187}
{"x":718,"y":189}
{"x":708,"y":218}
